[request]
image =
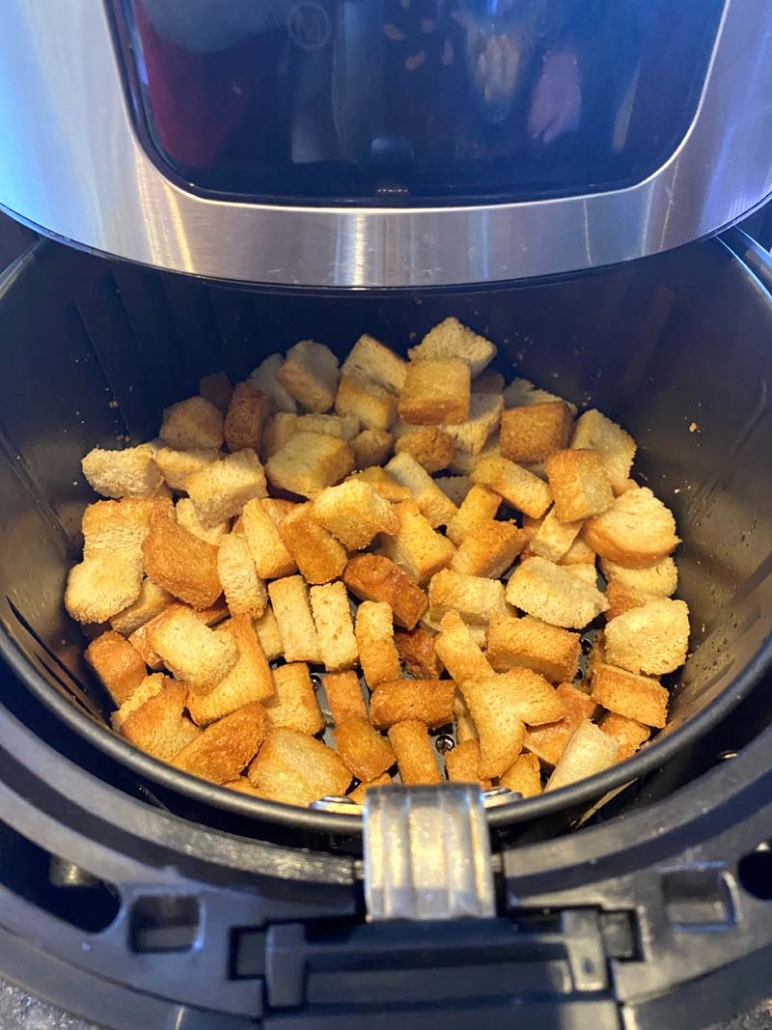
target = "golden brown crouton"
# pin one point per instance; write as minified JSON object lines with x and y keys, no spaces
{"x":216,"y":388}
{"x":436,"y":392}
{"x":187,"y":517}
{"x":318,"y":554}
{"x":430,"y":446}
{"x":475,"y":598}
{"x":247,"y":412}
{"x":533,"y":432}
{"x":628,"y":733}
{"x":244,"y":590}
{"x":455,"y":487}
{"x":579,"y":553}
{"x":354,"y":513}
{"x":415,"y":547}
{"x":548,"y":742}
{"x":462,"y":764}
{"x":377,"y":362}
{"x":378,"y":653}
{"x":277,"y":431}
{"x":658,"y":580}
{"x":310,"y":375}
{"x":334,"y":627}
{"x":250,"y":679}
{"x":265,"y":379}
{"x":415,"y":755}
{"x":416,"y":649}
{"x":531,"y":644}
{"x":294,"y":704}
{"x":181,"y":563}
{"x":523,"y":777}
{"x":431,"y":501}
{"x":459,"y":653}
{"x":579,"y":484}
{"x":191,"y":651}
{"x":152,"y":601}
{"x":500,"y":730}
{"x":521,"y":392}
{"x":128,"y":473}
{"x":384,"y":484}
{"x":429,"y":701}
{"x":192,"y":424}
{"x":636,"y":697}
{"x":296,"y":769}
{"x":140,"y":638}
{"x":358,"y":794}
{"x":149,"y":687}
{"x":156,"y":724}
{"x":553,"y":538}
{"x":226,"y":747}
{"x":344,"y":696}
{"x":309,"y":462}
{"x":480,"y":505}
{"x":341,"y":427}
{"x":465,"y":727}
{"x":117,"y":664}
{"x":221,"y":490}
{"x":371,"y":404}
{"x":621,"y":599}
{"x":291,"y":606}
{"x":371,"y":577}
{"x":372,"y":447}
{"x":363,"y":750}
{"x":489,"y":550}
{"x":270,"y":556}
{"x":269,"y":635}
{"x":451,"y":339}
{"x":589,"y":751}
{"x":616,"y":447}
{"x":550,"y":593}
{"x":176,"y":466}
{"x":637,"y":531}
{"x":521,"y":489}
{"x":652,"y":638}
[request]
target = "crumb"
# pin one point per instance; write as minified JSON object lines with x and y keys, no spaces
{"x":694,"y":428}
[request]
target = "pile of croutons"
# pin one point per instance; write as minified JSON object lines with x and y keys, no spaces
{"x":286,"y":562}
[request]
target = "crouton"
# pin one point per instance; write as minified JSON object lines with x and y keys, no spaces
{"x":157,"y":724}
{"x":377,"y":362}
{"x":519,"y":488}
{"x":579,"y":553}
{"x":226,"y":747}
{"x":247,"y":412}
{"x":435,"y":393}
{"x":459,"y":653}
{"x":244,"y":590}
{"x":310,"y":375}
{"x":478,"y":632}
{"x":416,"y":649}
{"x":294,"y":704}
{"x":354,"y":513}
{"x":430,"y":446}
{"x":187,"y":517}
{"x":637,"y":531}
{"x":588,"y":752}
{"x":523,"y":777}
{"x":531,"y":644}
{"x":128,"y":473}
{"x":342,"y":428}
{"x":309,"y":462}
{"x":371,"y":404}
{"x":221,"y":490}
{"x":191,"y":651}
{"x":553,"y":538}
{"x":500,"y":730}
{"x":269,"y":554}
{"x":175,"y":466}
{"x":430,"y":701}
{"x":489,"y":382}
{"x":265,"y":378}
{"x":579,"y":484}
{"x":535,"y":431}
{"x":181,"y":563}
{"x":472,"y":436}
{"x":475,"y":598}
{"x":371,"y":577}
{"x":550,"y":593}
{"x":621,"y":599}
{"x":480,"y":505}
{"x":652,"y":639}
{"x":416,"y":758}
{"x":250,"y":679}
{"x":117,"y":664}
{"x":296,"y":769}
{"x":636,"y":697}
{"x":415,"y":547}
{"x":586,"y":574}
{"x":216,"y":388}
{"x":140,"y":638}
{"x":378,"y":653}
{"x":319,"y":556}
{"x":277,"y":431}
{"x":289,"y":599}
{"x":372,"y":447}
{"x":533,"y":699}
{"x":658,"y":580}
{"x":465,"y":727}
{"x":269,"y":635}
{"x":462,"y":763}
{"x":628,"y":733}
{"x":431,"y":501}
{"x":489,"y":550}
{"x":451,"y":339}
{"x":455,"y":487}
{"x":521,"y":392}
{"x":152,"y":601}
{"x":344,"y":696}
{"x":334,"y":627}
{"x":149,"y":687}
{"x":548,"y":742}
{"x":384,"y":484}
{"x":362,"y":749}
{"x":358,"y":794}
{"x":616,"y":447}
{"x":192,"y":424}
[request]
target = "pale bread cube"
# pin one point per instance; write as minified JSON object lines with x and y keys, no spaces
{"x":361,"y":398}
{"x":152,"y":601}
{"x":128,"y":473}
{"x":521,"y":489}
{"x":636,"y":531}
{"x":249,"y":680}
{"x":341,"y":427}
{"x":334,"y":626}
{"x":221,"y":490}
{"x":310,"y":375}
{"x":192,"y":424}
{"x":501,"y":732}
{"x":377,"y":362}
{"x":616,"y":447}
{"x":354,"y":513}
{"x":548,"y":742}
{"x":291,"y":606}
{"x":175,"y":466}
{"x":553,"y":539}
{"x":588,"y":752}
{"x":191,"y":651}
{"x":296,"y":769}
{"x":265,"y":378}
{"x":294,"y":704}
{"x":550,"y":593}
{"x":431,"y":501}
{"x":475,"y":598}
{"x":187,"y":517}
{"x":244,"y":590}
{"x":309,"y":462}
{"x":140,"y":638}
{"x":658,"y":580}
{"x":652,"y":638}
{"x":384,"y":484}
{"x":471,"y":436}
{"x":451,"y":339}
{"x":521,"y":392}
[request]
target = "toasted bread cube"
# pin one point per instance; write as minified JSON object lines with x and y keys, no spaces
{"x":191,"y":651}
{"x":636,"y":697}
{"x":378,"y":653}
{"x":480,"y":505}
{"x":579,"y":553}
{"x":521,"y":392}
{"x":318,"y":554}
{"x":181,"y":563}
{"x":265,"y":378}
{"x":244,"y":590}
{"x":500,"y":730}
{"x":371,"y":404}
{"x":334,"y":627}
{"x":117,"y":664}
{"x":652,"y":638}
{"x":416,"y":649}
{"x":371,"y":577}
{"x":221,"y":490}
{"x":628,"y":733}
{"x":463,"y":762}
{"x":521,"y":489}
{"x":553,"y":539}
{"x":588,"y":752}
{"x":247,"y":412}
{"x":294,"y":704}
{"x":455,"y":487}
{"x":341,"y":427}
{"x":155,"y":722}
{"x":531,"y":697}
{"x":310,"y":375}
{"x":277,"y":431}
{"x":250,"y":679}
{"x":192,"y":424}
{"x":269,"y":635}
{"x":149,"y":687}
{"x":415,"y":547}
{"x":658,"y":580}
{"x":429,"y":701}
{"x":431,"y":501}
{"x":529,"y":643}
{"x":216,"y":388}
{"x":309,"y":462}
{"x":175,"y":466}
{"x":637,"y":531}
{"x":479,"y":433}
{"x":475,"y":599}
{"x":621,"y":599}
{"x":187,"y":517}
{"x":489,"y":550}
{"x":416,"y":758}
{"x":296,"y":769}
{"x":586,"y":574}
{"x":384,"y":484}
{"x":451,"y":339}
{"x":550,"y":593}
{"x":140,"y":638}
{"x":579,"y":484}
{"x":548,"y":741}
{"x":459,"y":653}
{"x":489,"y":382}
{"x":358,"y":794}
{"x":128,"y":473}
{"x":372,"y":447}
{"x":616,"y":447}
{"x":478,"y":632}
{"x":376,"y":361}
{"x":435,"y":393}
{"x":465,"y":727}
{"x":269,"y":554}
{"x":221,"y":752}
{"x":289,"y":599}
{"x":344,"y":696}
{"x":363,"y":750}
{"x":152,"y":601}
{"x":354,"y":513}
{"x":430,"y":446}
{"x":523,"y":777}
{"x":533,"y":432}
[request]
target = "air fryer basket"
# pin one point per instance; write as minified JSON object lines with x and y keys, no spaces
{"x":675,"y":348}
